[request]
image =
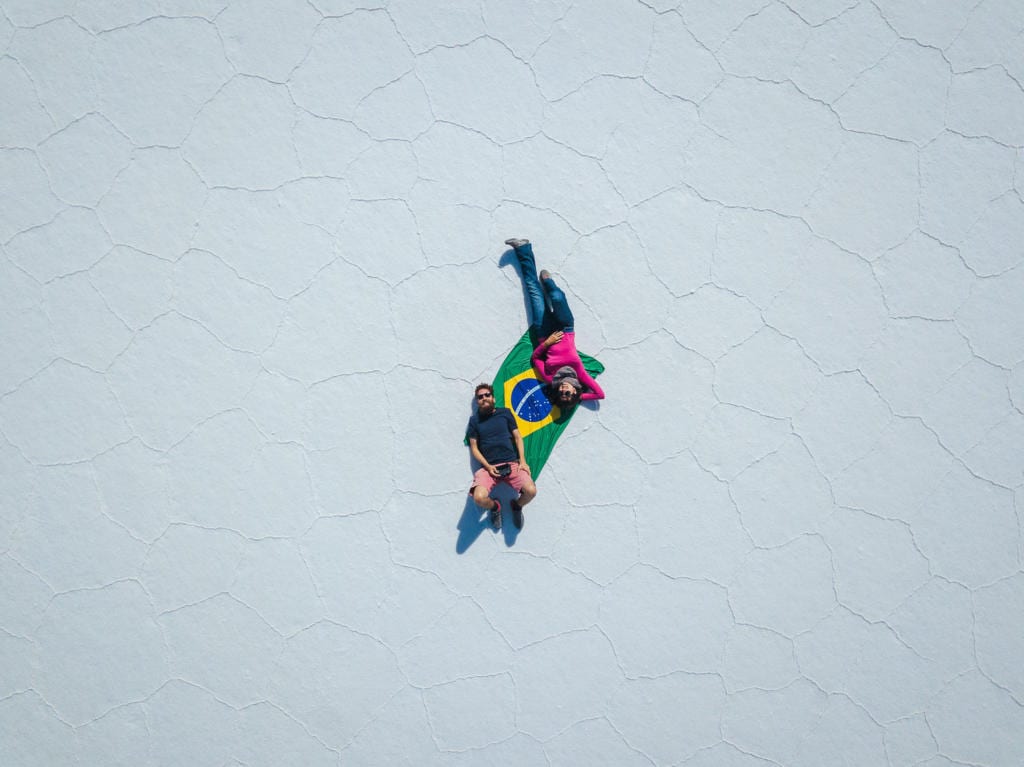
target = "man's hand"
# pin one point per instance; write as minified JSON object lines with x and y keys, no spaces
{"x":492,"y":470}
{"x":525,"y":466}
{"x":554,"y":338}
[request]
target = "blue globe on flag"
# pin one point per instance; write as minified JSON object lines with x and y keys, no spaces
{"x":524,"y":396}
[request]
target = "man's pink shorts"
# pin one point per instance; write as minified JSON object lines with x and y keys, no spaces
{"x":518,"y":477}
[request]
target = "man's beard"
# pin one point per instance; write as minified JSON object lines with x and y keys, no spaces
{"x":486,"y":408}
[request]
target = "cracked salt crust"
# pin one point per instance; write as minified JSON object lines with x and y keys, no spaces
{"x":251,"y":269}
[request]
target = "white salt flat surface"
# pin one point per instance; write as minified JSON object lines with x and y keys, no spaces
{"x":251,"y":267}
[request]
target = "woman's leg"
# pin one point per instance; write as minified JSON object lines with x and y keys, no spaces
{"x":560,"y":317}
{"x":531,"y":285}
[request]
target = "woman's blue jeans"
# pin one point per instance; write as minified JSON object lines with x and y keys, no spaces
{"x":545,"y":316}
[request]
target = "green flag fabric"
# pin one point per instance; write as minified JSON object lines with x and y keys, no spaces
{"x":517,"y":387}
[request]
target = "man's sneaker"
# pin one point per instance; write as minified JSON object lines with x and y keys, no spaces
{"x":496,"y":515}
{"x":517,"y":514}
{"x":516,"y":242}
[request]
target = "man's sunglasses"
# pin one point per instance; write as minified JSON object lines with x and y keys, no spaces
{"x":484,"y":395}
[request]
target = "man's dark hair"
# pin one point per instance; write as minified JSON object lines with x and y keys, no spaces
{"x":483,"y":386}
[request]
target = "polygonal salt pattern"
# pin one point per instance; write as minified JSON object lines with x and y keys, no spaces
{"x":768,"y":574}
{"x":702,"y":535}
{"x":995,"y":636}
{"x":398,"y":110}
{"x":695,"y":321}
{"x":263,"y":113}
{"x":782,"y":496}
{"x":834,"y":308}
{"x":251,"y":268}
{"x":154,"y":203}
{"x":757,"y":253}
{"x":225,"y":474}
{"x":989,"y":103}
{"x":134,"y":656}
{"x":843,"y":419}
{"x":972,"y":403}
{"x":974,"y":720}
{"x":592,"y":741}
{"x":274,"y":579}
{"x":771,"y":724}
{"x":903,"y":96}
{"x":960,"y":177}
{"x":239,"y":650}
{"x":679,"y":233}
{"x":839,"y":50}
{"x":873,"y":578}
{"x":488,"y":701}
{"x":583,"y":45}
{"x":215,"y":554}
{"x":26,"y":196}
{"x":458,"y":23}
{"x":733,"y":438}
{"x":909,"y":741}
{"x":135,"y":286}
{"x":921,"y":277}
{"x":991,"y":36}
{"x":132,"y":483}
{"x":72,"y":242}
{"x":972,"y":540}
{"x":67,"y":85}
{"x":679,"y":64}
{"x":931,"y":24}
{"x":992,"y":320}
{"x":67,"y":412}
{"x":149,"y":102}
{"x":165,"y":410}
{"x":784,"y":373}
{"x":25,"y":122}
{"x":758,"y":658}
{"x":711,"y":23}
{"x":685,"y":623}
{"x":867,"y":211}
{"x":587,"y":671}
{"x":550,"y":175}
{"x":692,"y":374}
{"x":774,"y":157}
{"x":33,"y":731}
{"x":937,"y":622}
{"x":996,"y":457}
{"x":637,"y":713}
{"x":89,"y":333}
{"x":765,"y":44}
{"x":267,"y":40}
{"x":366,"y":46}
{"x":398,"y":729}
{"x":913,"y":358}
{"x":484,"y":87}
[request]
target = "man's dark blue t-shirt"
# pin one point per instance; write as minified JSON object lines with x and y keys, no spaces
{"x":493,"y":435}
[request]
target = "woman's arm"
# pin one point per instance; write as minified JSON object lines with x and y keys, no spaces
{"x":541,"y":353}
{"x":593,"y":388}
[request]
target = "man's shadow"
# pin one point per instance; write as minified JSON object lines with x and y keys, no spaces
{"x":475,"y":520}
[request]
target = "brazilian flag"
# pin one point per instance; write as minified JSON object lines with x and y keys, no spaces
{"x":518,"y":388}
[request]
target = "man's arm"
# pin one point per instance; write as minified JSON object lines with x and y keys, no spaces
{"x":521,"y":449}
{"x":474,"y":450}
